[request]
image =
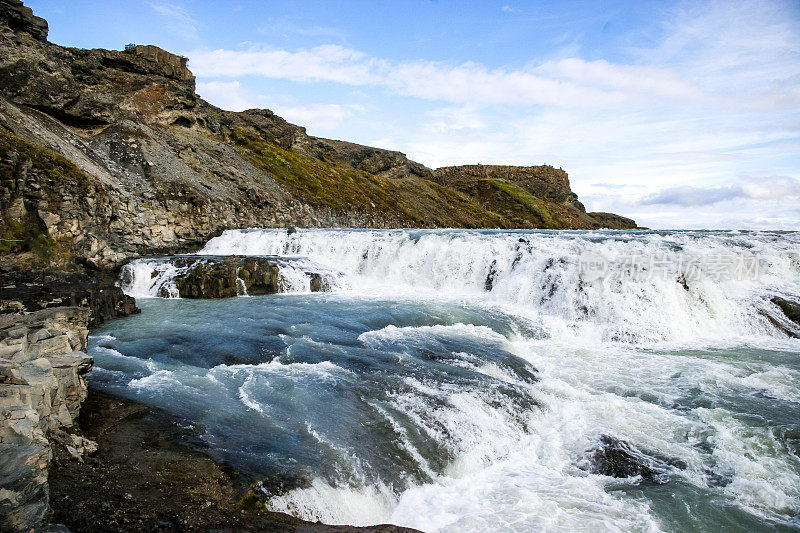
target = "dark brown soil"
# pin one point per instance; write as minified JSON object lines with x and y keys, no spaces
{"x":147,"y":476}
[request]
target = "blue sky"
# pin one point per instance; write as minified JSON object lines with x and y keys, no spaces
{"x":678,"y":114}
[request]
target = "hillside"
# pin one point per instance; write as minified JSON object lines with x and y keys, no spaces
{"x":106,"y":155}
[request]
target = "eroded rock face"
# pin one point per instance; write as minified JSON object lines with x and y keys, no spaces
{"x":225,"y":277}
{"x":32,"y":290}
{"x":43,"y":364}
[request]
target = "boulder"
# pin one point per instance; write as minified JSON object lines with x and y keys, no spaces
{"x":616,"y":458}
{"x":791,"y":313}
{"x":790,"y":310}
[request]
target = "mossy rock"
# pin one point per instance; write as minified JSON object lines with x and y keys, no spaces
{"x":49,"y":163}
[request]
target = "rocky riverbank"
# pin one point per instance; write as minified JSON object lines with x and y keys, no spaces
{"x":149,"y":474}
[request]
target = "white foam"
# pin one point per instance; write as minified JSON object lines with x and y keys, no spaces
{"x":610,"y":363}
{"x":540,"y":273}
{"x":393,"y":333}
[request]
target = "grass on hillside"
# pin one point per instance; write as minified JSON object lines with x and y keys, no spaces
{"x":412,"y":201}
{"x":46,"y":161}
{"x":520,"y":201}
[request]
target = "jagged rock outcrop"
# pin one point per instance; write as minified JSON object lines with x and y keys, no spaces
{"x":42,"y":367}
{"x":21,"y":18}
{"x":32,"y":290}
{"x":171,"y":65}
{"x":112,"y":155}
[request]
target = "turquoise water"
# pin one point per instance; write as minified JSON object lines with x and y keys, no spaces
{"x":417,"y":393}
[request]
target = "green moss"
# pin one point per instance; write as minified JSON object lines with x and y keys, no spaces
{"x":251,"y":501}
{"x":29,"y":235}
{"x":466,"y":213}
{"x":520,"y":198}
{"x":412,"y":201}
{"x":46,"y":161}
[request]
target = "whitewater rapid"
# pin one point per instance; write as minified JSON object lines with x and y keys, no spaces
{"x":540,"y":273}
{"x":459,"y":380}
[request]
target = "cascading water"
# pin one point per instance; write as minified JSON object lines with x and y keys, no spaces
{"x":458,"y":380}
{"x":156,"y":277}
{"x":540,"y":273}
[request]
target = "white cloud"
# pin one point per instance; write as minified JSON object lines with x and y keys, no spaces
{"x":568,"y":83}
{"x":763,"y":188}
{"x":229,"y":95}
{"x":233,"y":96}
{"x":179,"y":18}
{"x":332,"y":63}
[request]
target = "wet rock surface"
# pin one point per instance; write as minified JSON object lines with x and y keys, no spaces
{"x":228,"y":276}
{"x":790,"y":310}
{"x":785,"y":316}
{"x":616,"y":458}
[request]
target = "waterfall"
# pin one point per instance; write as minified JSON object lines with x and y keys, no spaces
{"x":654,"y":286}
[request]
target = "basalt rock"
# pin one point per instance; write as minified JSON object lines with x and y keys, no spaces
{"x":43,"y":364}
{"x":535,"y":196}
{"x":24,"y":291}
{"x":616,"y":458}
{"x":225,"y":277}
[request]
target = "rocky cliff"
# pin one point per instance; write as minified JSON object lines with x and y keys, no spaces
{"x":536,"y":196}
{"x":42,"y":384}
{"x":106,"y":155}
